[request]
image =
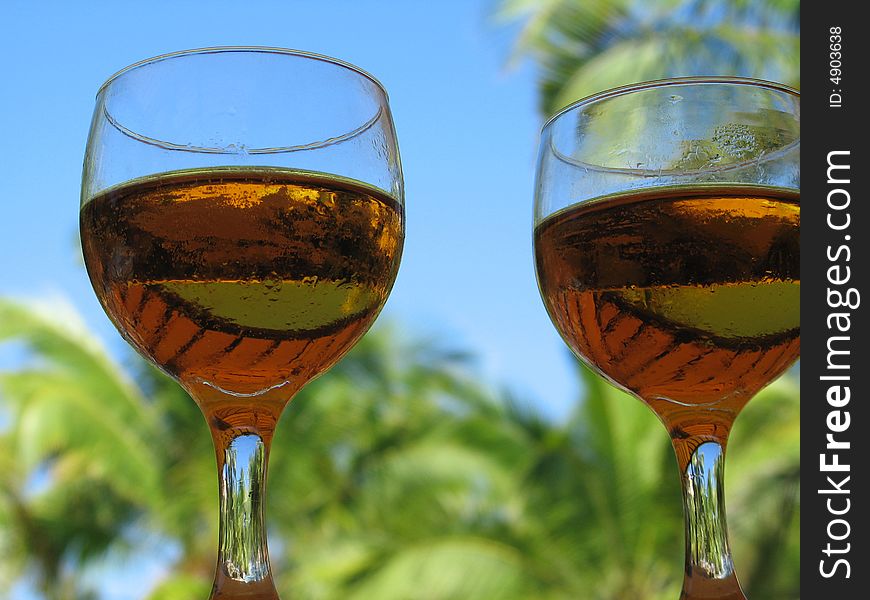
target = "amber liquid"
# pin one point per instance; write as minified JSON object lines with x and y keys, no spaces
{"x":688,"y":297}
{"x":241,"y":282}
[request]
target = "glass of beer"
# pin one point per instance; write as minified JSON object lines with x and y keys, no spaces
{"x":667,"y":218}
{"x":242,"y":223}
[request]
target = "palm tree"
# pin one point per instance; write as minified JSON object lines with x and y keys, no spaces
{"x":394,"y":474}
{"x":75,"y":473}
{"x":383,"y":469}
{"x":582,"y":47}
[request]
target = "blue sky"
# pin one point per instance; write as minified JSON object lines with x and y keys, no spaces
{"x":468,"y":130}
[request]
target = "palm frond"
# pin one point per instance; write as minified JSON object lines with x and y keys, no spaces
{"x":74,"y":398}
{"x":585,"y":47}
{"x":454,"y":568}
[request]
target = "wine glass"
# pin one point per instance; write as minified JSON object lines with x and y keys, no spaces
{"x":242,"y":223}
{"x":667,"y":220}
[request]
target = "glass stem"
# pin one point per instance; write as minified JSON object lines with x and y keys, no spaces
{"x":709,"y":568}
{"x":243,"y":557}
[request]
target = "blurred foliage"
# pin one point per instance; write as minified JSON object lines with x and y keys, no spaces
{"x":586,"y":46}
{"x":396,"y":476}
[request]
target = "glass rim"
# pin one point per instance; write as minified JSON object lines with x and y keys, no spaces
{"x":251,"y":49}
{"x":622,"y":90}
{"x":664,"y":83}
